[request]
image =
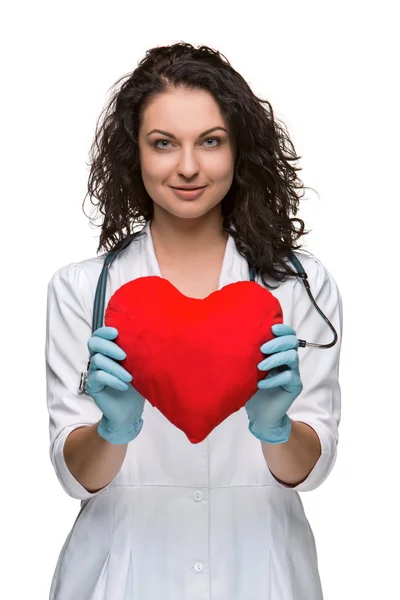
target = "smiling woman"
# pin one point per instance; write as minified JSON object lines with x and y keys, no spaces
{"x":162,"y":517}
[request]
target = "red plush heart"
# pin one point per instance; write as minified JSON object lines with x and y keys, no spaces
{"x":193,"y":359}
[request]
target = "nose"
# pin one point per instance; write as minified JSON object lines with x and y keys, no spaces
{"x":188,"y":164}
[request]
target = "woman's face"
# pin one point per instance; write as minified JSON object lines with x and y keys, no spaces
{"x":191,"y":158}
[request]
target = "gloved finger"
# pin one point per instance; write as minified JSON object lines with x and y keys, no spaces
{"x":290,"y":358}
{"x":282,"y":329}
{"x":275,"y":380}
{"x":106,"y":347}
{"x":279,"y":344}
{"x":97,"y":378}
{"x":93,"y":385}
{"x":107,"y":333}
{"x":103,"y":363}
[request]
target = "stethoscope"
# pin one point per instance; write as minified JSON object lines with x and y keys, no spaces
{"x":100,"y":295}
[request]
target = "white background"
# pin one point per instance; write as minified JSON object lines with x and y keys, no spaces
{"x":330,"y":72}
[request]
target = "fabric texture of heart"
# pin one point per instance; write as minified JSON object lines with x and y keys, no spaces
{"x":193,"y":359}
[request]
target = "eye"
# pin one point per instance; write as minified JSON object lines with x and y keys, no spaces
{"x":216,"y":138}
{"x":167,"y":142}
{"x":158,"y":147}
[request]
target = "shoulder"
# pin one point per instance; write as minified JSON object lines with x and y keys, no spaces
{"x":89,"y":269}
{"x":77,"y":278}
{"x":317,"y":272}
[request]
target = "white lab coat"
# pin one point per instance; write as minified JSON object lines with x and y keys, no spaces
{"x":184,"y":521}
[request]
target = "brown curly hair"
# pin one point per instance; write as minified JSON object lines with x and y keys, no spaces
{"x":265,"y":189}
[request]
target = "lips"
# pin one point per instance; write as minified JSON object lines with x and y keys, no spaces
{"x":186,"y":194}
{"x":188,"y":189}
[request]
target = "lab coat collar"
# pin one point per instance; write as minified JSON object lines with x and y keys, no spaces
{"x":234,"y":265}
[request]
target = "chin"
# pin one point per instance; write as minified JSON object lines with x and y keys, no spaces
{"x":191,"y":209}
{"x":187,"y":209}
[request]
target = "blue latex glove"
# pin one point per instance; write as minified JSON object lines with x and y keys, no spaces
{"x":108,"y":384}
{"x":267,"y":409}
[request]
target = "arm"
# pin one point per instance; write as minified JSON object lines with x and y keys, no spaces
{"x":82,"y":460}
{"x":92,"y":460}
{"x":291,"y":463}
{"x":302,"y":463}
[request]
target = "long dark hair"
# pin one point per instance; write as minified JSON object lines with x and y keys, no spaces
{"x":265,"y":189}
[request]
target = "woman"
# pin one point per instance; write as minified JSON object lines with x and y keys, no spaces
{"x":161,"y":517}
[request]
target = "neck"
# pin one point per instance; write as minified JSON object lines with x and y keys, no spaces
{"x":178,"y":239}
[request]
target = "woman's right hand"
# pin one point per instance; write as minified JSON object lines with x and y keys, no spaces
{"x":108,"y":384}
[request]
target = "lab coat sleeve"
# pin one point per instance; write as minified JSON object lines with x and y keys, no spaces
{"x":68,"y":329}
{"x":319,"y":403}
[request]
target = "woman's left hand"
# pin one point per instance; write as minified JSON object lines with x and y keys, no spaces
{"x":267,"y":409}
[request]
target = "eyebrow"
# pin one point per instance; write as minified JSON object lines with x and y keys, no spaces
{"x":171,"y":135}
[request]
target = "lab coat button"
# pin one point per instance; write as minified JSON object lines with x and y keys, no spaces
{"x":198,"y":567}
{"x":198,"y":495}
